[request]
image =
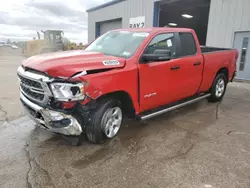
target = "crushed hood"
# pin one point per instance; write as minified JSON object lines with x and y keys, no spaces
{"x":65,"y":64}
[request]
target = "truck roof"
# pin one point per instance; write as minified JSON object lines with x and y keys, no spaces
{"x":157,"y":29}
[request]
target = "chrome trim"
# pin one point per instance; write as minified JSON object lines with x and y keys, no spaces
{"x":33,"y":89}
{"x":29,"y":103}
{"x":43,"y":80}
{"x":40,"y":121}
{"x":45,"y":99}
{"x":36,"y":120}
{"x":21,"y":91}
{"x":74,"y":128}
{"x":33,"y":76}
{"x":174,"y":107}
{"x":36,"y":90}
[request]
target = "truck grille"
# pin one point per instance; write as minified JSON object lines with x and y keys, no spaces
{"x":33,"y":89}
{"x":31,"y":93}
{"x":34,"y":85}
{"x":29,"y":82}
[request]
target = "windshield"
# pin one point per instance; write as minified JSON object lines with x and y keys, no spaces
{"x":118,"y":43}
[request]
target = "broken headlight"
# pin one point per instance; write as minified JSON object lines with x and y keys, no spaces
{"x":68,"y":91}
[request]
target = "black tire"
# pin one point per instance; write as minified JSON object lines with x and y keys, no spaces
{"x":94,"y":130}
{"x":218,"y":78}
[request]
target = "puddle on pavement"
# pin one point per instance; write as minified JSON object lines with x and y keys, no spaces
{"x":91,"y":158}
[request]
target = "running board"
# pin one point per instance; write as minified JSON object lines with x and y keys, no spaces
{"x":168,"y":109}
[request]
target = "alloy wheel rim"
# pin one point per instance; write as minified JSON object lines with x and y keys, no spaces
{"x":220,"y":87}
{"x":111,"y":121}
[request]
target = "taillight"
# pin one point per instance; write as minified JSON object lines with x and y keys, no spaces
{"x":237,"y":55}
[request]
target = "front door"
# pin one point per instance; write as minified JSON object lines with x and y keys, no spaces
{"x":242,"y":44}
{"x":153,"y":76}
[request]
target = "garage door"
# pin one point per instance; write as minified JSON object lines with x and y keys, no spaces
{"x":110,"y":25}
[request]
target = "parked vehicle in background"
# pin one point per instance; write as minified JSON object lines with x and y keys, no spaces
{"x":130,"y":72}
{"x":14,"y":47}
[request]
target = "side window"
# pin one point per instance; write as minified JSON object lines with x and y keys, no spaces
{"x":243,"y":53}
{"x":162,"y":42}
{"x":188,"y":45}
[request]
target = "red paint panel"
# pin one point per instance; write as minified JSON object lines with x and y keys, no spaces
{"x":214,"y":62}
{"x":65,"y":64}
{"x":161,"y":84}
{"x":125,"y":80}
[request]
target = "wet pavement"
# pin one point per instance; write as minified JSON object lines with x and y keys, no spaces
{"x":186,"y":148}
{"x":10,"y":107}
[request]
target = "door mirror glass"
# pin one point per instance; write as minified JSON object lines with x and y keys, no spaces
{"x":157,"y":55}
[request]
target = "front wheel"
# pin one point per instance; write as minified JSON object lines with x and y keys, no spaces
{"x":106,"y":121}
{"x":218,"y":88}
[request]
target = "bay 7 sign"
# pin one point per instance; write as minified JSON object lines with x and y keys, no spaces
{"x":137,"y":22}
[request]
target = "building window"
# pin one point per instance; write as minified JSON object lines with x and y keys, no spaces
{"x":243,"y":53}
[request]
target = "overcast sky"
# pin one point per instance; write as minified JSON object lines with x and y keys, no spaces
{"x":20,"y":19}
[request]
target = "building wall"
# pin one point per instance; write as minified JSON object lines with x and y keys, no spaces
{"x":107,"y":26}
{"x":226,"y":17}
{"x":125,"y":10}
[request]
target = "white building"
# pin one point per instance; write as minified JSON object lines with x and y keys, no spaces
{"x":218,"y":23}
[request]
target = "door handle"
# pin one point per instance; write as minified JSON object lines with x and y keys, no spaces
{"x":175,"y":67}
{"x":197,"y":64}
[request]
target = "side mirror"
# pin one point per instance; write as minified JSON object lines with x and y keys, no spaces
{"x":157,"y":55}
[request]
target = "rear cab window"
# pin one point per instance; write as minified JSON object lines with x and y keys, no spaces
{"x":187,"y":44}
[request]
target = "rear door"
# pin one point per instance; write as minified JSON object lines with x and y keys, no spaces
{"x":190,"y":61}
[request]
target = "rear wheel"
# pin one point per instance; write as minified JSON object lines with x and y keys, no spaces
{"x":218,"y":88}
{"x":106,"y":121}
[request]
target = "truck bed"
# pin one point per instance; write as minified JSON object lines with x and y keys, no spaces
{"x":214,"y":60}
{"x":207,"y":49}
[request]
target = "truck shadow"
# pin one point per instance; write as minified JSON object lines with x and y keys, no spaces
{"x":134,"y":130}
{"x":133,"y":138}
{"x":201,"y":111}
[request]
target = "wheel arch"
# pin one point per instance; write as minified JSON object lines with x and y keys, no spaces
{"x":124,"y":97}
{"x":223,"y":70}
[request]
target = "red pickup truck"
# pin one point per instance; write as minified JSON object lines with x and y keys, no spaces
{"x":129,"y":72}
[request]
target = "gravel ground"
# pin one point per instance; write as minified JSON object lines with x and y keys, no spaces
{"x":185,"y":148}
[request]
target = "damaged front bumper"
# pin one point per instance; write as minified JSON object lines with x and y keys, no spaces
{"x":54,"y":121}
